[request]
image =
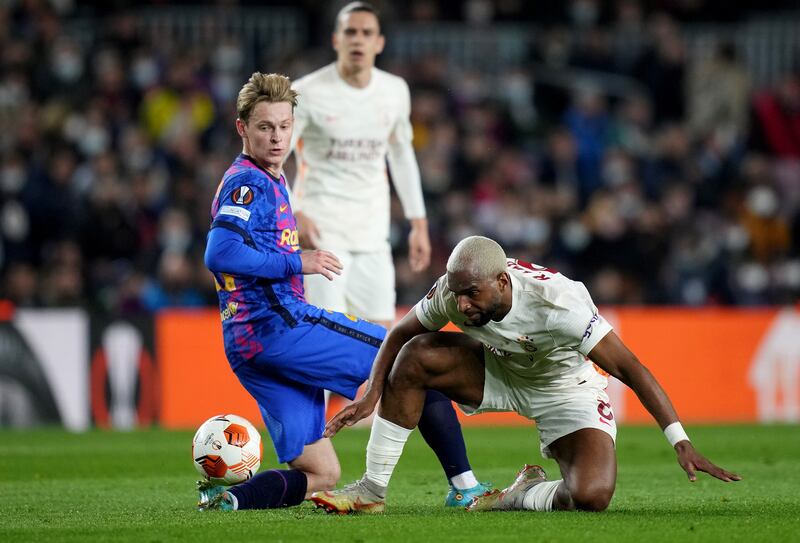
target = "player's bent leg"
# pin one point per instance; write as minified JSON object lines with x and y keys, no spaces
{"x":317,"y":468}
{"x":320,"y":464}
{"x":588,"y":465}
{"x":450,"y":363}
{"x":441,"y":430}
{"x":515,"y":495}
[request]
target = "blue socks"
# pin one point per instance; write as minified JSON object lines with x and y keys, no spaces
{"x":271,"y":489}
{"x":441,"y":430}
{"x":438,"y":425}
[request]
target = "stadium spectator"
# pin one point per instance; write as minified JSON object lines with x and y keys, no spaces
{"x":90,"y":92}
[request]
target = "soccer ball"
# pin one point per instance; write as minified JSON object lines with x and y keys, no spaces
{"x":227,"y":449}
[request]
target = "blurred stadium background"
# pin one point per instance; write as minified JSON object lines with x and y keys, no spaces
{"x":648,"y":149}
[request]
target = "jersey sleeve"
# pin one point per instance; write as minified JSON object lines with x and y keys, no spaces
{"x":431,"y":311}
{"x":301,"y":121}
{"x":243,"y":205}
{"x":402,"y":161}
{"x":575,"y":321}
{"x":227,"y":252}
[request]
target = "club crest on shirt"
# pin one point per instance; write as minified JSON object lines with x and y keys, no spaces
{"x":527,"y":344}
{"x":242,"y":196}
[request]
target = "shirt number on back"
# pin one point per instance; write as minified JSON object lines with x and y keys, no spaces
{"x":536,"y":272}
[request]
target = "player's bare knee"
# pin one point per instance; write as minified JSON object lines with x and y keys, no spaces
{"x":412,"y":362}
{"x":592,"y":498}
{"x":326,"y":478}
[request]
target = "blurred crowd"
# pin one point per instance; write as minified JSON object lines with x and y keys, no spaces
{"x":681,"y":186}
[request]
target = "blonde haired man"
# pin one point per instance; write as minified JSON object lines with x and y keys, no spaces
{"x":283,"y":350}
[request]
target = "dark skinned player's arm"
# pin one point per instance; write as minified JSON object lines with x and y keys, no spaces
{"x":614,"y":357}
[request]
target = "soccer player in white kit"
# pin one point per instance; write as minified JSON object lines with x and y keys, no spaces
{"x":351,"y":119}
{"x":531,"y":340}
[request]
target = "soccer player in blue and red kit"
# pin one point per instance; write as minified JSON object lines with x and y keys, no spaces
{"x":284,"y":351}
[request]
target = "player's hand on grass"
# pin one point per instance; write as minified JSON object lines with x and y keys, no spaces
{"x":307,"y":230}
{"x":419,"y":245}
{"x":321,"y":262}
{"x":692,"y":461}
{"x":351,"y":414}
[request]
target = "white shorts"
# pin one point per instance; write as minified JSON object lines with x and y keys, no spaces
{"x":556,"y":411}
{"x":365,"y":288}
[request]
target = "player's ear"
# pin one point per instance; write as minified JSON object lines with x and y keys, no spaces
{"x":503,"y":280}
{"x":240,"y":128}
{"x":381,"y":44}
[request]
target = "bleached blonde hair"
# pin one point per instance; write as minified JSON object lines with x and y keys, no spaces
{"x":480,"y":256}
{"x":260,"y":87}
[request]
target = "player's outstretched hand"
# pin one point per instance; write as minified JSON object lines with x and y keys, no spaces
{"x":307,"y":230}
{"x":321,"y":262}
{"x":692,"y":461}
{"x":419,"y":245}
{"x":350,"y":415}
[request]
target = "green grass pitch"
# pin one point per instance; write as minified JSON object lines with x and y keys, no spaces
{"x":139,"y":486}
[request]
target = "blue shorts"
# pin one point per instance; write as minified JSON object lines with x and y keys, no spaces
{"x":325,"y":350}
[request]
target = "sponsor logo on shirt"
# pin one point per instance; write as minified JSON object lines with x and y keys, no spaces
{"x":289,"y":237}
{"x":242,"y":196}
{"x":229,"y":311}
{"x":356,"y":149}
{"x":284,"y":207}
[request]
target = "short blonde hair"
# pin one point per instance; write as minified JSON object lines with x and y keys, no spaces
{"x":260,"y":87}
{"x":480,"y":256}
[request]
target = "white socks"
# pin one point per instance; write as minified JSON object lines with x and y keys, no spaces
{"x":540,"y":497}
{"x":464,"y":480}
{"x":386,"y":442}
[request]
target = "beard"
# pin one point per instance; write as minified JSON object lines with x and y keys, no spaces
{"x":483,"y":317}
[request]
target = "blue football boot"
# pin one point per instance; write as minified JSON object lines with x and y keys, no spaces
{"x":462,"y":497}
{"x":212,"y":497}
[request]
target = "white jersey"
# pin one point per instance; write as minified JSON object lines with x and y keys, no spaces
{"x":545,"y":337}
{"x":342,"y":136}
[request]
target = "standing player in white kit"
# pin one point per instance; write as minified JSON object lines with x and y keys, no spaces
{"x":351,"y":119}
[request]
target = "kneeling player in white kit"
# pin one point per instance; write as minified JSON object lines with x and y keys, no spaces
{"x":528,"y":332}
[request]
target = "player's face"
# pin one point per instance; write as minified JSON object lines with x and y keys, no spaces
{"x":358,"y":40}
{"x":267,"y":134}
{"x":480,"y":300}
